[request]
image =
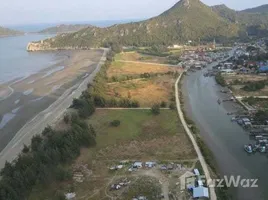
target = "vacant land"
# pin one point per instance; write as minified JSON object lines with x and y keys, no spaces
{"x":121,"y":68}
{"x":146,"y":91}
{"x":237,"y":82}
{"x":135,"y":56}
{"x":140,"y":136}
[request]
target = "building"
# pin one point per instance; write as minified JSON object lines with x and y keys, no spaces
{"x":263,"y":69}
{"x":196,"y":172}
{"x":200,"y":192}
{"x":137,"y":165}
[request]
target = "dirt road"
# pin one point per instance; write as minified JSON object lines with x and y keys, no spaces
{"x":46,"y":117}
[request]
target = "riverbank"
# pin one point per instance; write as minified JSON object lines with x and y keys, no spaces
{"x":224,"y":138}
{"x":40,"y":98}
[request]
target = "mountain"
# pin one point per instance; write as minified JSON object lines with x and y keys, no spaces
{"x":253,"y":21}
{"x":259,"y":9}
{"x":8,"y":32}
{"x":63,"y":28}
{"x":186,"y":20}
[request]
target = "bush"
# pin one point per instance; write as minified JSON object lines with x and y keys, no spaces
{"x":155,"y":109}
{"x":254,"y":86}
{"x":115,"y":123}
{"x":163,"y":104}
{"x":172,"y":106}
{"x":25,"y":149}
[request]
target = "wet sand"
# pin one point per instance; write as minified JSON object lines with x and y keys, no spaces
{"x":22,"y":99}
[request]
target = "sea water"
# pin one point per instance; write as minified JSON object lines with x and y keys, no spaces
{"x":16,"y":62}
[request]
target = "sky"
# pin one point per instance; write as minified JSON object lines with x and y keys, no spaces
{"x":56,"y":11}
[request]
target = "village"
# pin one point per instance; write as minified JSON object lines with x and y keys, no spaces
{"x":243,"y":78}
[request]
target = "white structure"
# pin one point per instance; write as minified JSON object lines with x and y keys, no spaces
{"x":196,"y":172}
{"x":70,"y":196}
{"x":137,"y":165}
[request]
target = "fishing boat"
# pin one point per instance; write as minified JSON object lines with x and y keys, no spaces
{"x":248,"y":148}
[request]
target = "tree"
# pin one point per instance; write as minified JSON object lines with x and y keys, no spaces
{"x":163,"y":104}
{"x":172,"y":106}
{"x":155,"y":109}
{"x":115,"y":123}
{"x":25,"y":149}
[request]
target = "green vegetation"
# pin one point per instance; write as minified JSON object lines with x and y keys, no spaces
{"x":155,"y":109}
{"x":254,"y":86}
{"x":261,"y":116}
{"x":63,"y":28}
{"x":220,"y":80}
{"x":115,"y":123}
{"x":187,"y":20}
{"x":42,"y":162}
{"x":8,"y":32}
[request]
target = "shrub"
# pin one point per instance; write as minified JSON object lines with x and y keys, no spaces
{"x":115,"y":123}
{"x":155,"y":109}
{"x":172,"y":106}
{"x":163,"y":104}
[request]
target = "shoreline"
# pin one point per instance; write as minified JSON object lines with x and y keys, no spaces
{"x":202,"y":159}
{"x":43,"y":108}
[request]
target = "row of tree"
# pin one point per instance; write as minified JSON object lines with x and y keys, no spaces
{"x":42,"y":162}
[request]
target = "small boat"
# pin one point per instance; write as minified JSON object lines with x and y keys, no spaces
{"x":248,"y":148}
{"x":219,"y":101}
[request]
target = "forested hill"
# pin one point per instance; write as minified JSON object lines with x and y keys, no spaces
{"x":8,"y":32}
{"x":63,"y":28}
{"x":259,"y":9}
{"x":254,"y":22}
{"x":186,"y":20}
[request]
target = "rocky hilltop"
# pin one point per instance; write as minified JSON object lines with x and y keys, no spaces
{"x":186,"y":20}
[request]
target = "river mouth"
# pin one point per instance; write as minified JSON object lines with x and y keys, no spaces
{"x":223,"y":137}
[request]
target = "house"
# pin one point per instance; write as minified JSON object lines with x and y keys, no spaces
{"x":137,"y":165}
{"x":263,"y":69}
{"x":170,"y":167}
{"x":150,"y":164}
{"x":200,"y":192}
{"x":200,"y":183}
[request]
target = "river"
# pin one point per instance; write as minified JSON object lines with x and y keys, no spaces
{"x":223,"y":137}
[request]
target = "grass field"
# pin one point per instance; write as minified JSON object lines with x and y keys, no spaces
{"x":146,"y":91}
{"x":140,"y":136}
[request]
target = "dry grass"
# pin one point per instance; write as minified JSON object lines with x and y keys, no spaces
{"x":146,"y":91}
{"x":121,"y":68}
{"x":135,"y":56}
{"x":243,"y":77}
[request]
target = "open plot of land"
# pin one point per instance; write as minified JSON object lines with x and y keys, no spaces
{"x":140,"y":136}
{"x":243,"y":78}
{"x":146,"y":91}
{"x":238,"y":82}
{"x":120,"y":68}
{"x":135,"y":56}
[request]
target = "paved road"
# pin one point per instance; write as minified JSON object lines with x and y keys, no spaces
{"x":189,"y":133}
{"x":46,"y":117}
{"x":148,"y":63}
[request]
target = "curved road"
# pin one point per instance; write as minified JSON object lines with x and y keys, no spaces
{"x":46,"y":117}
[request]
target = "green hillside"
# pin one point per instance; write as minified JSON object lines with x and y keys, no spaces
{"x":187,"y":20}
{"x":63,"y":28}
{"x":8,"y":32}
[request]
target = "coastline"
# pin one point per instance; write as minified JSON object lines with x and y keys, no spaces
{"x":42,"y":97}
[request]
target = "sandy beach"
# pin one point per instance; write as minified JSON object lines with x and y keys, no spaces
{"x":22,"y":99}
